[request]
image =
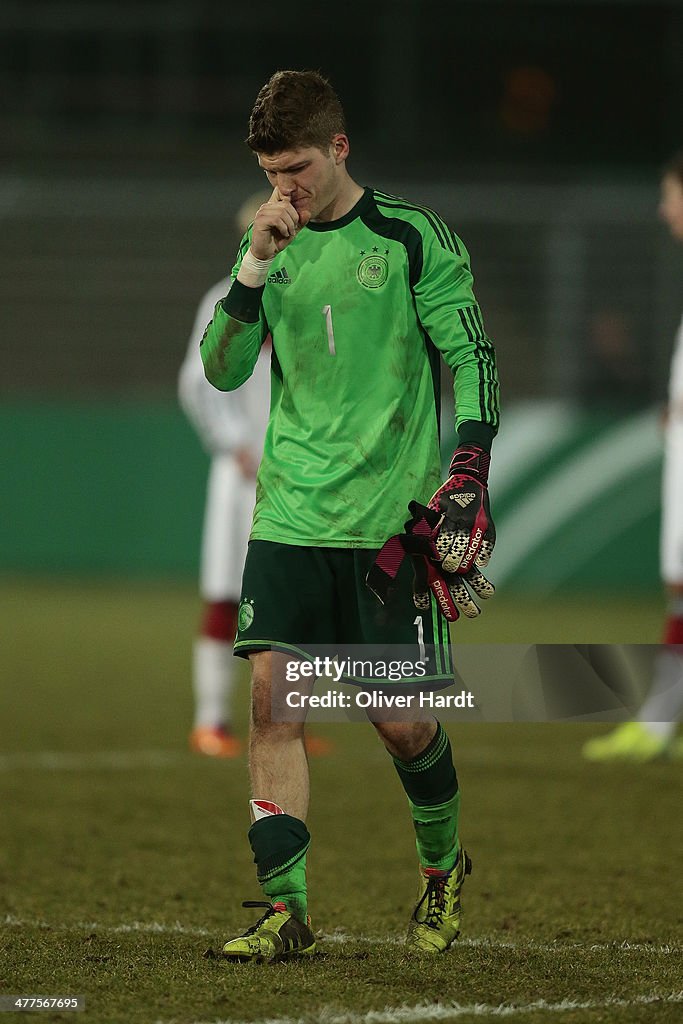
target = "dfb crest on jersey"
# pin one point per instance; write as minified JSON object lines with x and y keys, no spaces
{"x":373,"y":270}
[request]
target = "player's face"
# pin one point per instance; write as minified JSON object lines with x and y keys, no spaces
{"x":671,"y":205}
{"x":309,"y":178}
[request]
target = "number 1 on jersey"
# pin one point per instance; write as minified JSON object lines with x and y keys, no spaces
{"x":327,"y":313}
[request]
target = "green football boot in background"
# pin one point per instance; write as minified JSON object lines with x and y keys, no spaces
{"x":631,"y":741}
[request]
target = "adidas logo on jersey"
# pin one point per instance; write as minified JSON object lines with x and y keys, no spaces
{"x":463,"y":499}
{"x":280,"y":277}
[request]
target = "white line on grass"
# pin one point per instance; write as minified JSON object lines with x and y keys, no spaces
{"x":526,"y":944}
{"x":451,"y":1011}
{"x":129,"y":760}
{"x":145,"y":927}
{"x":95,"y":760}
{"x":338,"y":937}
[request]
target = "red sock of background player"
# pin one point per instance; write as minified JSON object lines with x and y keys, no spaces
{"x":673,"y":626}
{"x":214,"y":664}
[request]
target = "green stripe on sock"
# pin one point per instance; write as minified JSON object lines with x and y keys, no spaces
{"x":429,"y":756}
{"x":430,"y":777}
{"x":281,"y":869}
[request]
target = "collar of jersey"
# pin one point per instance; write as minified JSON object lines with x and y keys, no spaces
{"x":355,"y":211}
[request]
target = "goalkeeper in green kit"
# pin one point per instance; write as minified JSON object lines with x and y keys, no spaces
{"x":362,"y":292}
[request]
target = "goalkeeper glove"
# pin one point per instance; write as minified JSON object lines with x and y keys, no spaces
{"x":449,"y":588}
{"x":465,"y":535}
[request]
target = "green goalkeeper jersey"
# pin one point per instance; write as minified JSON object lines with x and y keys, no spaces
{"x":358,"y":310}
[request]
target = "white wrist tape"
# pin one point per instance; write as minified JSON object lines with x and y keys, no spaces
{"x":253,"y":271}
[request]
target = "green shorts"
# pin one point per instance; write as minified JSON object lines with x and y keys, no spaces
{"x":294,"y":597}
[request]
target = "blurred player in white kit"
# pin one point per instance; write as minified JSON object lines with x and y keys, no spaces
{"x":653,"y":734}
{"x":231,"y":428}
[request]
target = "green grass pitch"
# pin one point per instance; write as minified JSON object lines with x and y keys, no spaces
{"x":123,"y":857}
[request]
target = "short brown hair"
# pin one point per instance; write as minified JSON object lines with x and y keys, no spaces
{"x":295,"y":109}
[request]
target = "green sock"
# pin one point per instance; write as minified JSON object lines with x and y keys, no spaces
{"x":431,"y":786}
{"x":279,"y":843}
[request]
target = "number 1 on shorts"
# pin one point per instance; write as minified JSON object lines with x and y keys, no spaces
{"x":420,"y":637}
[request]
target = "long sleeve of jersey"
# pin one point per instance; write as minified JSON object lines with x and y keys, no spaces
{"x":233,"y":338}
{"x":450,"y":315}
{"x":221,"y":421}
{"x":440,"y":282}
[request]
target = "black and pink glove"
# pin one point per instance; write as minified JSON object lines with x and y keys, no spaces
{"x":466,"y":534}
{"x":447,"y":541}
